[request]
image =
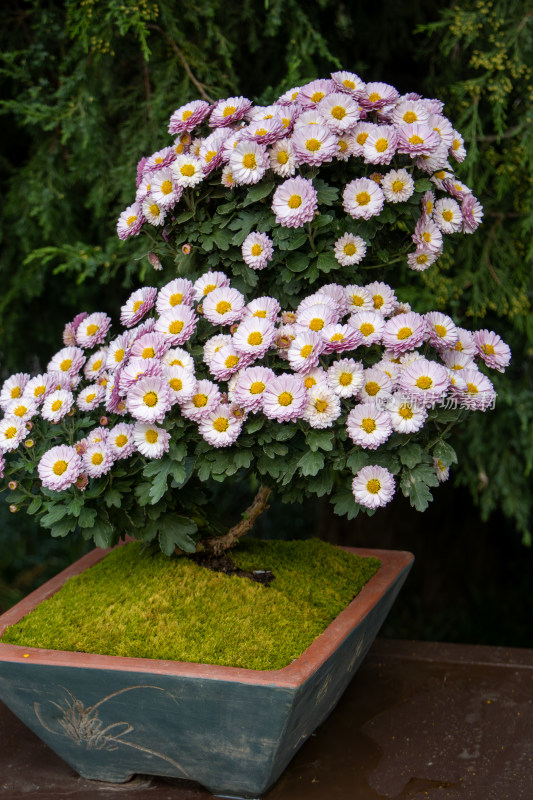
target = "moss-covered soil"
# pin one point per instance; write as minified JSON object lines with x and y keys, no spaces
{"x":136,"y":604}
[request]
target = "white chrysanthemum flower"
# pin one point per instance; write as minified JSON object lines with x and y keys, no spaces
{"x":349,"y":249}
{"x":447,"y":215}
{"x":153,"y":212}
{"x":368,"y":426}
{"x":130,"y":221}
{"x":479,"y":394}
{"x":150,"y":440}
{"x":227,"y":361}
{"x":67,"y":362}
{"x":248,"y":162}
{"x":117,"y":352}
{"x":254,"y":336}
{"x":13,"y":388}
{"x":282,"y":158}
{"x":59,"y":468}
{"x":227,"y":111}
{"x":457,"y":148}
{"x":187,"y":117}
{"x":370,"y":325}
{"x":407,"y":112}
{"x":179,"y":357}
{"x":214,"y":344}
{"x":206,"y":397}
{"x":443,"y":127}
{"x":359,"y":136}
{"x":397,"y":186}
{"x":338,"y":338}
{"x":307,"y":118}
{"x":424,"y":382}
{"x":465,"y":343}
{"x":492,"y":349}
{"x":383,"y":297}
{"x":95,"y":366}
{"x":348,"y":82}
{"x":376,"y":386}
{"x":257,"y":250}
{"x":57,"y":405}
{"x":363,"y":198}
{"x":376,"y":95}
{"x":93,"y":330}
{"x":340,"y":112}
{"x":207,"y":282}
{"x":285,"y":398}
{"x":120,"y":440}
{"x":472,"y":212}
{"x":404,"y":332}
{"x":335,"y":292}
{"x":250,"y":385}
{"x":165,"y":189}
{"x":421,"y":259}
{"x":295,"y":202}
{"x":178,"y":292}
{"x":456,"y":361}
{"x":149,"y":346}
{"x":264,"y":131}
{"x":97,"y":460}
{"x":315,"y":377}
{"x":442,"y":330}
{"x":12,"y":431}
{"x":316,"y":317}
{"x":220,"y":428}
{"x":24,"y":409}
{"x":345,"y":377}
{"x":441,"y":471}
{"x":358,"y":298}
{"x":406,"y":415}
{"x":223,"y":306}
{"x":90,"y":397}
{"x":312,"y":93}
{"x":38,"y":388}
{"x":149,"y":399}
{"x":380,"y":145}
{"x":264,"y":308}
{"x":373,"y":487}
{"x":305,"y":351}
{"x":187,"y":170}
{"x":227,"y":178}
{"x":137,"y":306}
{"x":441,"y":175}
{"x":181,"y":382}
{"x":177,"y":324}
{"x":323,"y":407}
{"x":428,"y":235}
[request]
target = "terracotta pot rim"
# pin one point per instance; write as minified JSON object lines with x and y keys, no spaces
{"x":393,"y":563}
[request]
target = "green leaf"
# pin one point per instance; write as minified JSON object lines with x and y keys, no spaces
{"x":177,"y":531}
{"x":297,"y":262}
{"x":258,"y":192}
{"x":344,"y":504}
{"x":255,"y":425}
{"x":445,"y":453}
{"x":311,"y":463}
{"x":87,"y":517}
{"x":142,"y":493}
{"x":423,"y":185}
{"x":75,"y":505}
{"x":327,"y":261}
{"x":326,"y":194}
{"x":184,"y":217}
{"x":410,"y":454}
{"x":53,"y":515}
{"x":63,"y":528}
{"x":416,"y":490}
{"x":35,"y":505}
{"x":356,"y":461}
{"x":320,"y":440}
{"x":296,"y":241}
{"x":112,"y":498}
{"x":103,"y":533}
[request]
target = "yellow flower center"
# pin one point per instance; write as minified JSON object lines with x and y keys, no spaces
{"x":186,"y":115}
{"x":424,"y":382}
{"x":119,"y":355}
{"x":405,"y":411}
{"x":426,"y":236}
{"x":131,"y":220}
{"x":188,"y":170}
{"x":221,"y":424}
{"x":381,"y":145}
{"x":249,"y":161}
{"x":343,"y":145}
{"x":150,"y":399}
{"x":223,"y":307}
{"x":260,"y":131}
{"x":255,"y":338}
{"x":488,"y":349}
{"x":91,"y":330}
{"x":176,"y":384}
{"x":154,"y":209}
{"x":441,"y":331}
{"x":362,"y":198}
{"x":366,"y":328}
{"x":338,"y":112}
{"x":374,"y":97}
{"x":39,"y":390}
{"x":256,"y":249}
{"x":372,"y":388}
{"x":309,"y":382}
{"x":415,"y":139}
{"x":97,"y":459}
{"x":282,"y":157}
{"x":321,"y":406}
{"x":447,"y":215}
{"x":350,"y":249}
{"x":176,"y":326}
{"x":362,"y":137}
{"x":421,"y":258}
{"x":368,"y":425}
{"x":56,"y":405}
{"x":261,"y":313}
{"x":15,"y":392}
{"x":345,"y":378}
{"x":65,"y":365}
{"x":313,"y":145}
{"x":176,"y":299}
{"x":373,"y":486}
{"x":176,"y":362}
{"x":397,"y":186}
{"x":404,"y":333}
{"x":337,"y":337}
{"x":137,"y":305}
{"x":166,"y":187}
{"x":228,"y":111}
{"x":257,"y":387}
{"x":472,"y":388}
{"x":199,"y":400}
{"x":59,"y":467}
{"x":316,"y":324}
{"x":121,"y":440}
{"x":317,"y":96}
{"x":348,"y":83}
{"x":90,"y":397}
{"x":209,"y":288}
{"x":148,"y":352}
{"x":96,"y":365}
{"x":209,"y":156}
{"x":440,"y":175}
{"x":409,"y":117}
{"x":231,"y":362}
{"x":151,"y":436}
{"x":285,"y":399}
{"x":295,"y":201}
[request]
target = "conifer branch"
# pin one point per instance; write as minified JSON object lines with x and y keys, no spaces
{"x":186,"y":65}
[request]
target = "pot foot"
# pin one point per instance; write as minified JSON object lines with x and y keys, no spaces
{"x":106,"y":776}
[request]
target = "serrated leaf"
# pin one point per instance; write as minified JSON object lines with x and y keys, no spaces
{"x":320,"y":440}
{"x":53,"y":515}
{"x":410,"y":454}
{"x":423,"y":185}
{"x":184,"y":217}
{"x":444,"y":452}
{"x":416,"y":490}
{"x":326,"y":194}
{"x":177,"y":531}
{"x":344,"y":504}
{"x":311,"y":463}
{"x":297,"y":262}
{"x":102,"y":533}
{"x":113,"y":498}
{"x":296,"y":241}
{"x":87,"y":517}
{"x":327,"y":261}
{"x":255,"y":425}
{"x":356,"y":461}
{"x":426,"y":473}
{"x":35,"y":505}
{"x":258,"y":192}
{"x":63,"y":528}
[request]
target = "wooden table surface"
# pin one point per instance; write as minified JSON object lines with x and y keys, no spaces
{"x":420,"y":720}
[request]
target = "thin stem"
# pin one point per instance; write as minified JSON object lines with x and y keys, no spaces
{"x":186,"y":66}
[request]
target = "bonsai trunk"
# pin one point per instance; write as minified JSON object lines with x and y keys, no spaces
{"x":217,"y":545}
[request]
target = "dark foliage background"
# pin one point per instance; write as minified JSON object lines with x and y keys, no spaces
{"x":87,"y":88}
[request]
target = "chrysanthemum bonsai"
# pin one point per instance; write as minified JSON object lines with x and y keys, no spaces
{"x":273,"y":349}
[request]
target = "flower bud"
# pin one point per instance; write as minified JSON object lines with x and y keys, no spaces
{"x":29,"y":425}
{"x":29,"y":443}
{"x":12,"y":485}
{"x":186,"y":249}
{"x":155,"y":261}
{"x":71,"y":412}
{"x":13,"y":508}
{"x":104,"y":421}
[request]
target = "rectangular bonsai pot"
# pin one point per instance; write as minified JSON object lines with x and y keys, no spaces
{"x":232,"y":730}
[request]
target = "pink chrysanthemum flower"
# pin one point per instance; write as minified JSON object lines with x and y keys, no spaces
{"x":443,"y":128}
{"x":376,"y":386}
{"x":159,"y":160}
{"x":363,"y":198}
{"x":320,"y":298}
{"x":380,"y":145}
{"x":59,"y":468}
{"x":424,"y":382}
{"x":90,"y":397}
{"x":427,"y":204}
{"x":165,"y":189}
{"x":338,"y":338}
{"x":257,"y":250}
{"x":457,"y":148}
{"x":153,"y":212}
{"x":250,"y":386}
{"x":358,"y":298}
{"x":348,"y":82}
{"x":316,"y":376}
{"x":248,"y":162}
{"x":406,"y":415}
{"x":421,"y":259}
{"x":187,"y":170}
{"x":210,"y":151}
{"x":492,"y":349}
{"x":290,"y":96}
{"x":57,"y":404}
{"x":254,"y":336}
{"x":295,"y":202}
{"x":313,"y":144}
{"x":455,"y":361}
{"x":264,"y":308}
{"x":227,"y":178}
{"x":472,"y":212}
{"x":227,"y":361}
{"x":404,"y":332}
{"x":447,"y":215}
{"x":334,"y":292}
{"x":265,"y":131}
{"x":130,"y":221}
{"x":95,"y":365}
{"x":12,"y":432}
{"x":213,"y":345}
{"x":435,"y":164}
{"x":345,"y":377}
{"x":383,"y":297}
{"x":407,"y":112}
{"x":323,"y":407}
{"x":376,"y":95}
{"x":149,"y":399}
{"x":150,"y":440}
{"x":369,"y":324}
{"x":456,"y":188}
{"x":317,"y":316}
{"x":368,"y":426}
{"x":178,"y":357}
{"x":344,"y":143}
{"x":312,"y":93}
{"x":428,"y":235}
{"x":349,"y":250}
{"x":359,"y":136}
{"x":307,"y":118}
{"x":117,"y":351}
{"x":177,"y":324}
{"x":373,"y":487}
{"x":282,"y":158}
{"x":223,"y":306}
{"x":178,"y":292}
{"x":220,"y":428}
{"x":285,"y":398}
{"x":479,"y":394}
{"x":225,"y":112}
{"x":340,"y":112}
{"x":97,"y":460}
{"x":206,"y":397}
{"x":38,"y":388}
{"x":417,"y":139}
{"x":207,"y":282}
{"x":24,"y":409}
{"x":397,"y":186}
{"x":120,"y":440}
{"x":181,"y":382}
{"x":465,"y":343}
{"x":305,"y":351}
{"x":69,"y":332}
{"x":149,"y":345}
{"x":187,"y":117}
{"x":137,"y":305}
{"x":67,"y":361}
{"x":441,"y":330}
{"x":93,"y":330}
{"x":13,"y":388}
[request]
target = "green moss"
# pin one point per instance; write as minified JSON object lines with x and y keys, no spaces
{"x":135,"y":604}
